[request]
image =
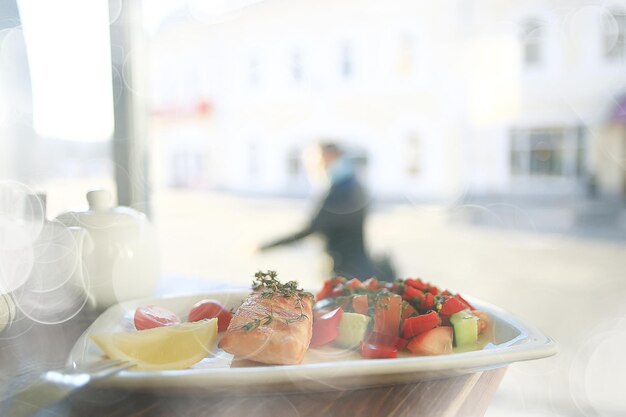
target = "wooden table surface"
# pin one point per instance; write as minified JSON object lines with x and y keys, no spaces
{"x":28,"y":349}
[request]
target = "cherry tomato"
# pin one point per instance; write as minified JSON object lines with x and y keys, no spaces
{"x":370,"y":351}
{"x":420,"y":324}
{"x":325,"y":328}
{"x":149,"y":317}
{"x":208,"y":309}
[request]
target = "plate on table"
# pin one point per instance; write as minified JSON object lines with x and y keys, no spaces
{"x":323,"y":369}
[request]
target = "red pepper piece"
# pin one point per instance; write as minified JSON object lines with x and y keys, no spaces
{"x":420,"y":324}
{"x":338,"y":290}
{"x":370,"y":351}
{"x":371,"y":284}
{"x":465,"y":302}
{"x":338,"y":280}
{"x":354,"y":283}
{"x":415,"y":283}
{"x":428,"y":302}
{"x":411,"y":293}
{"x":325,"y":291}
{"x":452,"y":305}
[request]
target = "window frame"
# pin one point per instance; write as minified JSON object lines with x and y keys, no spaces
{"x":533,"y":32}
{"x":614,"y":36}
{"x":572,"y":149}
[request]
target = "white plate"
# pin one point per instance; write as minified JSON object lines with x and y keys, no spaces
{"x":323,"y":369}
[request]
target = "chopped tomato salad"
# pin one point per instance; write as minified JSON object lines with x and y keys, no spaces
{"x":380,"y":319}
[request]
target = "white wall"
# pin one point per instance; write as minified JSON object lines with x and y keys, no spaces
{"x":463,"y":90}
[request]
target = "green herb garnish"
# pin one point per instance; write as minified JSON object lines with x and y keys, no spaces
{"x":268,"y":285}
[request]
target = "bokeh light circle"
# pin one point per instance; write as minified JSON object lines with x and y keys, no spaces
{"x":58,"y":305}
{"x":20,"y":324}
{"x":7,"y":311}
{"x":22,"y":215}
{"x":57,"y":254}
{"x":15,"y":268}
{"x":604,"y":394}
{"x":444,"y":202}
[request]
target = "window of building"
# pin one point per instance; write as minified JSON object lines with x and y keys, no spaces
{"x":406,"y":56}
{"x":615,"y":36}
{"x":550,"y":152}
{"x":253,"y":160}
{"x":413,"y":167}
{"x":533,"y":37}
{"x":187,"y":169}
{"x":297,"y":72}
{"x":294,"y":165}
{"x":254,"y":73}
{"x":346,"y":60}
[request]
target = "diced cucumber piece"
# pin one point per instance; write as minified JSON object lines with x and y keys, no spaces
{"x":465,"y":326}
{"x":352,"y":330}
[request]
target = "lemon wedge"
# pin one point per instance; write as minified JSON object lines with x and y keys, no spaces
{"x":171,"y":347}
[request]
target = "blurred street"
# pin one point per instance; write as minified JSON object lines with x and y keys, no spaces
{"x":571,"y":288}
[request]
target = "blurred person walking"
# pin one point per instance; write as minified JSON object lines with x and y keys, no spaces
{"x":339,"y":218}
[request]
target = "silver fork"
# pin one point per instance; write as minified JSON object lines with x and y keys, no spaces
{"x":55,"y":385}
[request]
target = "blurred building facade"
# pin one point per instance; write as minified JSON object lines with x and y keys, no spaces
{"x":435,"y":100}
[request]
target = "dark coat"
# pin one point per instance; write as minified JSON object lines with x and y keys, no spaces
{"x":339,"y":219}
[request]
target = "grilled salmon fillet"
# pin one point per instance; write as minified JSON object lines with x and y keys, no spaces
{"x":270,"y":328}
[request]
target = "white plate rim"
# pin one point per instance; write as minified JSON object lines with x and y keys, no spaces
{"x":531,"y":344}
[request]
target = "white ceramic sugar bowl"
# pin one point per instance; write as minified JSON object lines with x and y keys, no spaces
{"x":124,"y":262}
